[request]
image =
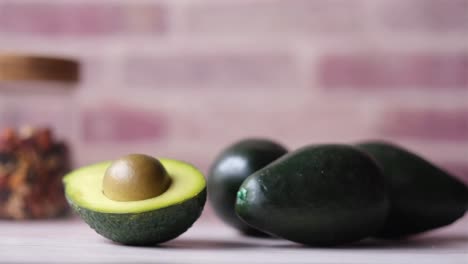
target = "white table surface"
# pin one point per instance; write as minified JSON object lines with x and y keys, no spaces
{"x":72,"y":241}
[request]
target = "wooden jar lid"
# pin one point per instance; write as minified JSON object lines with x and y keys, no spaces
{"x":37,"y":68}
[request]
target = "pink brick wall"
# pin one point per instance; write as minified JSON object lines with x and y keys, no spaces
{"x":185,"y":78}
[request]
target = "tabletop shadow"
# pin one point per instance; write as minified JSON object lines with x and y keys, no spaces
{"x":417,"y":242}
{"x":185,"y":243}
{"x":201,"y":244}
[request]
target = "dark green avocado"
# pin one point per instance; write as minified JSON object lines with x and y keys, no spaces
{"x":323,"y":195}
{"x":422,"y":196}
{"x":231,"y":168}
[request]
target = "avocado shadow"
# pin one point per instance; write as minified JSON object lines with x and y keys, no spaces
{"x":182,"y":243}
{"x":205,"y":244}
{"x":417,"y":242}
{"x":439,"y":241}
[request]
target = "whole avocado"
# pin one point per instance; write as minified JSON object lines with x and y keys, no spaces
{"x":323,"y":195}
{"x":422,"y":196}
{"x":231,"y":168}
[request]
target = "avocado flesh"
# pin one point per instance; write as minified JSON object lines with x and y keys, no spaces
{"x":149,"y":221}
{"x":422,"y":196}
{"x":231,"y":168}
{"x":323,"y":195}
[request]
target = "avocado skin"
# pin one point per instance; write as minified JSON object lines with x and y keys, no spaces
{"x":147,"y":228}
{"x":231,"y":168}
{"x":323,"y":195}
{"x":422,"y":196}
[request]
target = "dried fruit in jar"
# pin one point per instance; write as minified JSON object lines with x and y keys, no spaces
{"x":31,"y":169}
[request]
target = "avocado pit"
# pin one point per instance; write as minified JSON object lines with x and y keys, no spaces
{"x":135,"y":177}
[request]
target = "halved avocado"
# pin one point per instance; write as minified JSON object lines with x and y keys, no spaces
{"x":150,"y":221}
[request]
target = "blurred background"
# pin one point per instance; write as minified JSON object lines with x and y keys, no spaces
{"x":184,"y":79}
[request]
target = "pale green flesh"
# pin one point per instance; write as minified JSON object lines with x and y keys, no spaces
{"x":84,"y":188}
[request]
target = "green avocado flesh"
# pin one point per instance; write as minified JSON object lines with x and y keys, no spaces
{"x":422,"y":196}
{"x":149,"y":221}
{"x":322,"y":195}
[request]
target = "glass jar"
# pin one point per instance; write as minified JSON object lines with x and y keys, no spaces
{"x":36,"y":116}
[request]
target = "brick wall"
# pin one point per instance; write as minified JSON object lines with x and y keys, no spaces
{"x":185,"y":78}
